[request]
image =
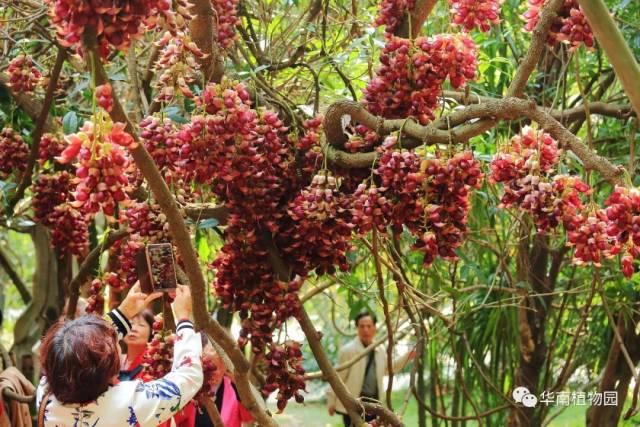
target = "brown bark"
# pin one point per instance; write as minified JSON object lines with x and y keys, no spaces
{"x":416,"y":18}
{"x":506,"y":109}
{"x":532,"y":260}
{"x":15,"y":278}
{"x":203,"y":31}
{"x":43,"y":307}
{"x":617,"y":375}
{"x":611,"y":39}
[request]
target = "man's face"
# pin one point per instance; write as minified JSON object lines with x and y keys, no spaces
{"x":366,"y":330}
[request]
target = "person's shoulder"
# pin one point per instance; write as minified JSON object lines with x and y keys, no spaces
{"x":350,"y":346}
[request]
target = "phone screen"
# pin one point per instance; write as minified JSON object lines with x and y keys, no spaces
{"x":162,"y":266}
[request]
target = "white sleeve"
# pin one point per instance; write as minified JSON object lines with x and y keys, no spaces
{"x":157,"y":401}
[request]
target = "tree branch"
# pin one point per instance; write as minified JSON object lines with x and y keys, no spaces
{"x":200,"y":211}
{"x":32,"y":107}
{"x":87,"y":266}
{"x":548,"y":14}
{"x":15,"y":278}
{"x":182,"y":239}
{"x":203,"y":28}
{"x":563,"y":116}
{"x":416,"y":18}
{"x":505,"y":109}
{"x":610,"y":38}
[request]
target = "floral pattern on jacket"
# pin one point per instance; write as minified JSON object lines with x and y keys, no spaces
{"x":136,"y":403}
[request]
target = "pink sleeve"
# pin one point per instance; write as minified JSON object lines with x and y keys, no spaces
{"x":245,"y":416}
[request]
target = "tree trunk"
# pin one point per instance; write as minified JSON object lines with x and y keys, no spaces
{"x":44,"y":307}
{"x":616,"y":376}
{"x":422,"y":388}
{"x":532,"y":319}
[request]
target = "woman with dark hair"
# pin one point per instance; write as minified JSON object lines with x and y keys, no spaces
{"x":81,"y":364}
{"x":136,"y":341}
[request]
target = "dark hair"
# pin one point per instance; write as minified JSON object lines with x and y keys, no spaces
{"x":365,"y":313}
{"x":148,"y":317}
{"x":80,"y":358}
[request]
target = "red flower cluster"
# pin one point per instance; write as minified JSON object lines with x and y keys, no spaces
{"x":570,"y":25}
{"x":100,"y":171}
{"x":526,"y":170}
{"x":429,"y":197}
{"x":447,"y":185}
{"x":309,"y":154}
{"x":226,"y":12}
{"x":126,"y":253}
{"x":104,"y":96}
{"x":623,"y":225}
{"x":24,"y":77}
{"x":117,"y":22}
{"x":208,"y":370}
{"x":392,"y":13}
{"x":95,"y":302}
{"x":588,"y":233}
{"x":243,"y":153}
{"x":285,"y":373}
{"x":245,"y":283}
{"x":49,"y":191}
{"x":13,"y":152}
{"x":69,"y":230}
{"x":159,"y":138}
{"x":158,"y":357}
{"x":470,"y":14}
{"x":176,"y":66}
{"x":363,"y":139}
{"x":147,"y":221}
{"x":50,"y":147}
{"x":319,"y":234}
{"x":399,"y":174}
{"x":410,"y":79}
{"x":371,"y":209}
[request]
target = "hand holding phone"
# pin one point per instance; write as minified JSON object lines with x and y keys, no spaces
{"x":156,"y":268}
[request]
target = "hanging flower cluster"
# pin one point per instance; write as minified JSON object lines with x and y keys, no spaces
{"x":226,"y":12}
{"x":409,"y":81}
{"x":116,"y":22}
{"x":526,"y":168}
{"x":101,"y":182}
{"x":95,"y":302}
{"x":392,"y":13}
{"x":24,"y":77}
{"x":176,"y":66}
{"x":285,"y":373}
{"x":470,"y":14}
{"x":570,"y":25}
{"x":50,"y":147}
{"x":157,"y":359}
{"x":14,"y":153}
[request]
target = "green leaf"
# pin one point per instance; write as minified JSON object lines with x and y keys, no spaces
{"x":203,"y":246}
{"x":208,"y":223}
{"x":70,"y":123}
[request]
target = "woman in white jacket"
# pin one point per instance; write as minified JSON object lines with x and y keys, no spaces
{"x":81,"y":365}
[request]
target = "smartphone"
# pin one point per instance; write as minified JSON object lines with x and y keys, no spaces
{"x":156,"y":268}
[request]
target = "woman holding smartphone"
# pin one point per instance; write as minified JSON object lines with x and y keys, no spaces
{"x":81,"y":363}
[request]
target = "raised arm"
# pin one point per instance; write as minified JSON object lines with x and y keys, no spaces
{"x":157,"y":401}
